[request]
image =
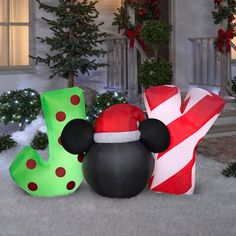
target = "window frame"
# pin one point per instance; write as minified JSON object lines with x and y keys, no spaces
{"x":31,"y":68}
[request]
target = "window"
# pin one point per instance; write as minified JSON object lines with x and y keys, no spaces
{"x":16,"y":34}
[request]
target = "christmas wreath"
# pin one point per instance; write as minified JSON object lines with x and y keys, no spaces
{"x":144,"y":11}
{"x":224,"y":10}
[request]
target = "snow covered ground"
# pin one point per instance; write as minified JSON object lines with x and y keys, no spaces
{"x":211,"y":211}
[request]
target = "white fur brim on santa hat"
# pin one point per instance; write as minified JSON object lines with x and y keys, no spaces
{"x":117,"y":137}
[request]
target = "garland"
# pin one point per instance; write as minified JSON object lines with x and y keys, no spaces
{"x":145,"y":10}
{"x":224,"y":10}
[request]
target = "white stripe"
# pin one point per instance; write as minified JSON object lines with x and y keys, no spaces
{"x":179,"y":156}
{"x":117,"y":137}
{"x":195,"y":95}
{"x":167,"y":111}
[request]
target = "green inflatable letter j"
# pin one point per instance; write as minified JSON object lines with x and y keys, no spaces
{"x":62,"y":173}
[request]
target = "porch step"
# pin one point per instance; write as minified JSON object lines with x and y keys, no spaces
{"x":226,"y":122}
{"x":228,"y":113}
{"x":224,"y":128}
{"x":230,"y":104}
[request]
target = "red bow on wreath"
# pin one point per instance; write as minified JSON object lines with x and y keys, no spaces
{"x":132,"y":34}
{"x":224,"y":40}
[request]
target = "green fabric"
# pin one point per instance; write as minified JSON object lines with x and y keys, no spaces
{"x":44,"y":174}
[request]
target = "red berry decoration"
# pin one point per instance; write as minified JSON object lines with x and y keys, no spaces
{"x":142,"y":12}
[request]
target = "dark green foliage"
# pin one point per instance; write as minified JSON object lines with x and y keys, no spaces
{"x":102,"y":102}
{"x":6,"y":142}
{"x":230,"y":170}
{"x":20,"y":106}
{"x":155,"y":72}
{"x":39,"y":141}
{"x":156,"y":32}
{"x":75,"y":38}
{"x":222,"y":13}
{"x":121,"y":19}
{"x":144,"y":11}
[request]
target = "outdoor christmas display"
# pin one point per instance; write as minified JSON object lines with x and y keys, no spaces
{"x":224,"y":11}
{"x":102,"y":102}
{"x":62,"y":173}
{"x":118,"y":162}
{"x":188,"y":123}
{"x":75,"y":41}
{"x":19,"y":106}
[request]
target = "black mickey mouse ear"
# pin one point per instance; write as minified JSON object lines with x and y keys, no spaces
{"x":77,"y":136}
{"x":154,"y":135}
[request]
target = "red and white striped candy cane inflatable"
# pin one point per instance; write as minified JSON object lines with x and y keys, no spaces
{"x":188,"y":123}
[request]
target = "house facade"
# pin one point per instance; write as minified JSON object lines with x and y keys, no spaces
{"x":190,"y":19}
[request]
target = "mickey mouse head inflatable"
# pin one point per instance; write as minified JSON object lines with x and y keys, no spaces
{"x":119,"y":160}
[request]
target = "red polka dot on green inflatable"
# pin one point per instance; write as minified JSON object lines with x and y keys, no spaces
{"x":60,"y":116}
{"x":60,"y":172}
{"x":75,"y":100}
{"x":70,"y":185}
{"x":80,"y":158}
{"x":32,"y":186}
{"x":59,"y":140}
{"x":31,"y":164}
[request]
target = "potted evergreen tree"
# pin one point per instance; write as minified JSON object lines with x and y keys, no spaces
{"x":155,"y":71}
{"x":75,"y":39}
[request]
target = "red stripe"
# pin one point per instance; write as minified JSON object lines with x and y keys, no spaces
{"x":183,"y":107}
{"x":157,"y":95}
{"x":190,"y":122}
{"x":179,"y":183}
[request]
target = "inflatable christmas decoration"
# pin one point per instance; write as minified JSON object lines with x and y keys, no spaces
{"x":118,"y":162}
{"x":62,"y":173}
{"x":187,"y":123}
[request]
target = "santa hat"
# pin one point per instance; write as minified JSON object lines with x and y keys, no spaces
{"x":118,"y":124}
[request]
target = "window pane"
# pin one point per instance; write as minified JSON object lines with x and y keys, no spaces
{"x":233,"y":53}
{"x":19,"y":10}
{"x":19,"y":45}
{"x":3,"y":46}
{"x":3,"y":10}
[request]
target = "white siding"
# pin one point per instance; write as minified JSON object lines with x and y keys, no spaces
{"x":192,"y":19}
